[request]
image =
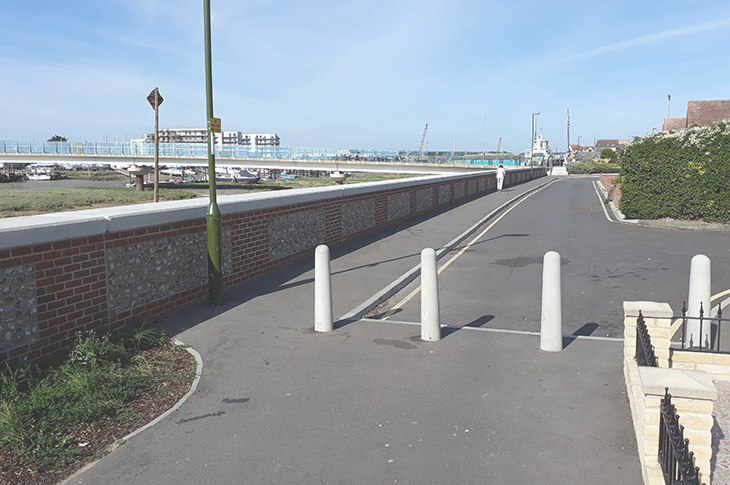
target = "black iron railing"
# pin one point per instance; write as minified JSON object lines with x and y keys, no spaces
{"x":644,"y":349}
{"x":706,"y":326}
{"x":678,"y":463}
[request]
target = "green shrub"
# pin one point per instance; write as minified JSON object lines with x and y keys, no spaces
{"x":609,"y":154}
{"x":592,"y":167}
{"x":681,"y":174}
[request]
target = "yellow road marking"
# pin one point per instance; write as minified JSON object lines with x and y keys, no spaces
{"x":413,"y":293}
{"x":603,"y":205}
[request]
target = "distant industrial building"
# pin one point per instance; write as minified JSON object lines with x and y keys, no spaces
{"x":198,"y":135}
{"x":700,"y":113}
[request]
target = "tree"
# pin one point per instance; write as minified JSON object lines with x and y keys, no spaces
{"x":608,"y":153}
{"x":57,"y":138}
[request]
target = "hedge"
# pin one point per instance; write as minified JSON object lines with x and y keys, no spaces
{"x":592,"y":166}
{"x":681,"y":174}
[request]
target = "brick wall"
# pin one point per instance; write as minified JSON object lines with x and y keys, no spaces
{"x":68,"y":273}
{"x":607,"y":182}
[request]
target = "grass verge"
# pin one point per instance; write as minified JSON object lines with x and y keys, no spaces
{"x":22,"y":202}
{"x":53,"y":419}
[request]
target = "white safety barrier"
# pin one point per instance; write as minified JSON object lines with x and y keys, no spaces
{"x":430,"y":319}
{"x":700,"y":291}
{"x":323,"y":320}
{"x":551,"y":319}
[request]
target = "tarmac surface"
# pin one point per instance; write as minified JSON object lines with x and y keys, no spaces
{"x":370,"y":403}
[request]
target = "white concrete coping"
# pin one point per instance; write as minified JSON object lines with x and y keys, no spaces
{"x":650,"y":309}
{"x":682,"y":383}
{"x":42,"y":228}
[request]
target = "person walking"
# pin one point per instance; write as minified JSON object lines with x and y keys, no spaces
{"x":500,"y":178}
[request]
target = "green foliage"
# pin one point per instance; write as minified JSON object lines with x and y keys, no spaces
{"x":679,"y":175}
{"x":143,"y":337}
{"x":592,"y":167}
{"x":608,"y":154}
{"x":100,"y":375}
{"x":91,"y":351}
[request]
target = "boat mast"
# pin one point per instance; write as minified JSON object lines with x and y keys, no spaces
{"x":568,"y":129}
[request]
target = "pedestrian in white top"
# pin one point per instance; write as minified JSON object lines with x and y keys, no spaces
{"x":500,"y":178}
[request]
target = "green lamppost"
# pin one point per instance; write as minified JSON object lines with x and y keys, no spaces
{"x":532,"y":142}
{"x":213,"y":216}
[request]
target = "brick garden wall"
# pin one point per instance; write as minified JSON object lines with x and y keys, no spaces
{"x":69,"y":273}
{"x":607,"y":182}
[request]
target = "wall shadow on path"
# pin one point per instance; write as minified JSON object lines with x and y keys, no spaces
{"x":288,"y":275}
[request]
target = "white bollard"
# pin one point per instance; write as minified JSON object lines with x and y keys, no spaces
{"x":323,"y":321}
{"x":551,"y":319}
{"x":699,"y":291}
{"x":430,"y":324}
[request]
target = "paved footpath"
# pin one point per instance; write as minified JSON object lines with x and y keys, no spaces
{"x":369,"y":403}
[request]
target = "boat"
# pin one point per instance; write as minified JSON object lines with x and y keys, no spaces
{"x":246,"y":177}
{"x":240,"y":176}
{"x":539,"y":154}
{"x":45,"y":175}
{"x":39,"y":176}
{"x":286,"y":175}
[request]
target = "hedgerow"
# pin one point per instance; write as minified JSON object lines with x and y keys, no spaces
{"x":592,"y":167}
{"x":681,"y":174}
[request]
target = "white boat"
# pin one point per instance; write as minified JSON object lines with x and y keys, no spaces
{"x":45,"y":175}
{"x":39,"y":176}
{"x":540,"y":151}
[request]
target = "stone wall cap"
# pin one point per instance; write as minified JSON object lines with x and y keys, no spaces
{"x":648,"y":309}
{"x":682,"y":383}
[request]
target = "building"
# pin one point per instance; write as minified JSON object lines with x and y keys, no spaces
{"x":700,"y":113}
{"x":199,"y":135}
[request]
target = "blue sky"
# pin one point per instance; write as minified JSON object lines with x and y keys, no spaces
{"x":361,"y":74}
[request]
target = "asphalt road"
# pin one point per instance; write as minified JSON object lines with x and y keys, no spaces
{"x":497,"y":281}
{"x":370,"y":403}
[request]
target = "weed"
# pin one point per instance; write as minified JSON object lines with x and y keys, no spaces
{"x":98,"y":377}
{"x":143,"y":337}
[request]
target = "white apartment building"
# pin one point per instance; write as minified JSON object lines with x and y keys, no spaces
{"x":198,"y":135}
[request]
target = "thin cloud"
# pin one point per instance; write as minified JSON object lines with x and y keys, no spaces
{"x":652,"y":38}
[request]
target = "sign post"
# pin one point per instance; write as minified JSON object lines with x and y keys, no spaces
{"x":156,"y":100}
{"x":213,"y":216}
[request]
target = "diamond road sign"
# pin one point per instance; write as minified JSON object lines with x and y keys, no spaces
{"x":151,"y":98}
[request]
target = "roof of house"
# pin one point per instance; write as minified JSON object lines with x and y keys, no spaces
{"x":707,"y":113}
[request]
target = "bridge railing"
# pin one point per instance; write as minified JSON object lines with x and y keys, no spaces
{"x":182,"y":150}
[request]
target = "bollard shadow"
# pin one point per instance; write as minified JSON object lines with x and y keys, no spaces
{"x":480,"y":321}
{"x":584,"y":331}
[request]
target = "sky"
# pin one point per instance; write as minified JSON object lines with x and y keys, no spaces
{"x":364,"y":74}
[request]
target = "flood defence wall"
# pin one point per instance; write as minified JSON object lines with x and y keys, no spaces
{"x":68,"y":273}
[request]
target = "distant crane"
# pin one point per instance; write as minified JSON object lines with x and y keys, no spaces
{"x":499,"y":145}
{"x":423,"y":139}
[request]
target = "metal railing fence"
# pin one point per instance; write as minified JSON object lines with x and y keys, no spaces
{"x":711,"y":345}
{"x":677,"y":462}
{"x":645,"y":355}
